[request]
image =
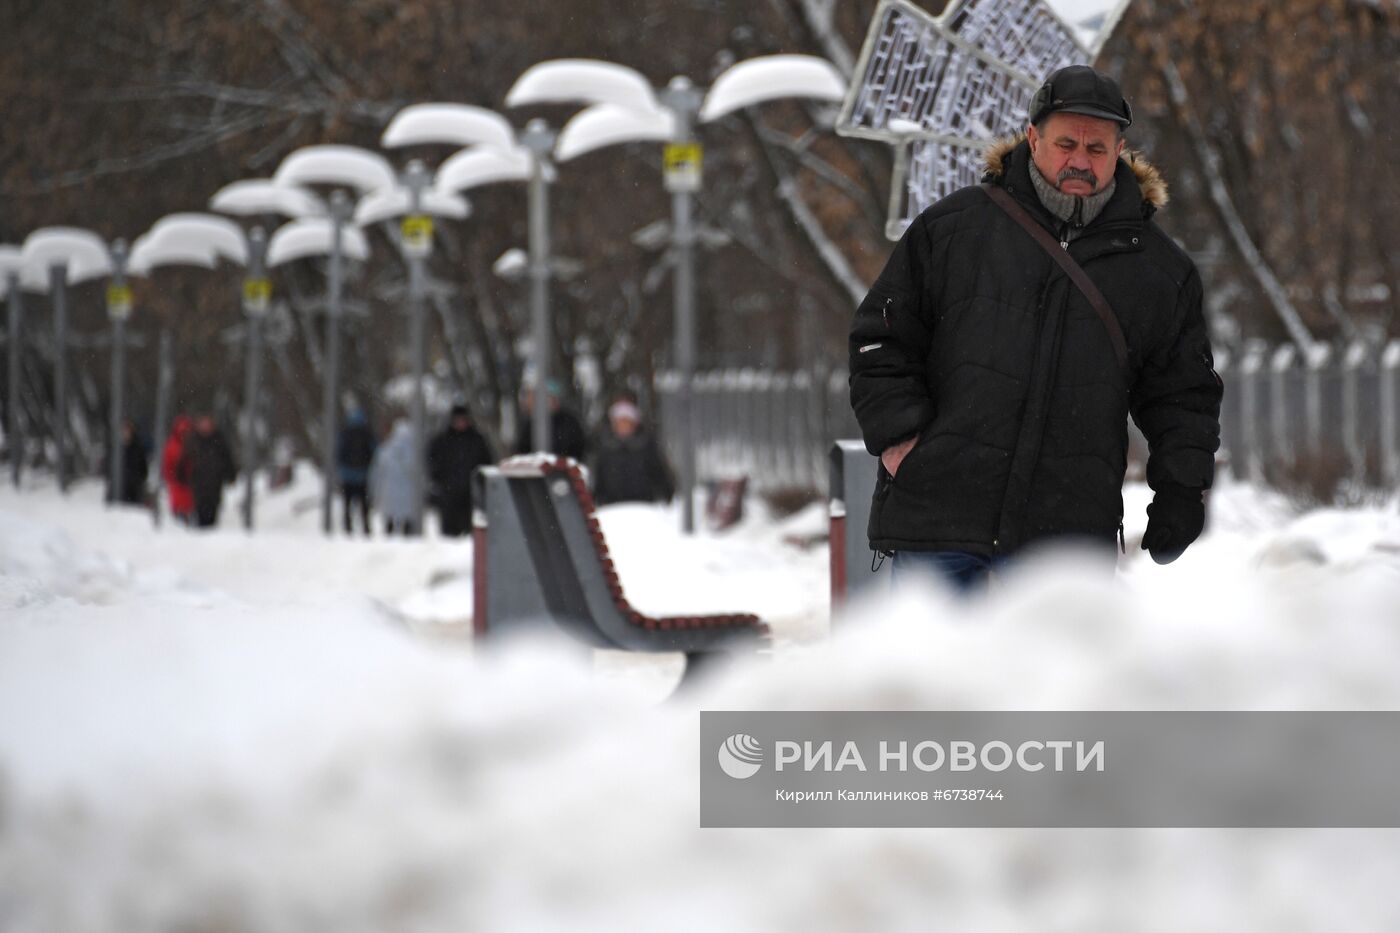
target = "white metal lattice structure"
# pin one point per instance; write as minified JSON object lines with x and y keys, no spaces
{"x":1027,"y":36}
{"x":926,"y":172}
{"x":917,"y":67}
{"x":941,"y":87}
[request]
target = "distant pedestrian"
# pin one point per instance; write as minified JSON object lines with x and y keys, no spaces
{"x":567,"y":437}
{"x":174,"y":469}
{"x":391,"y":481}
{"x":629,"y":466}
{"x":135,"y":466}
{"x":354,"y":452}
{"x":284,"y":456}
{"x":210,"y":468}
{"x":452,"y":459}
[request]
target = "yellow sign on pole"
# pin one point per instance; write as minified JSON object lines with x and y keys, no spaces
{"x":257,"y":294}
{"x":119,"y":300}
{"x":682,"y":163}
{"x":417,"y":232}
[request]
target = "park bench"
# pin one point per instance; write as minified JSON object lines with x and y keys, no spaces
{"x":540,"y":561}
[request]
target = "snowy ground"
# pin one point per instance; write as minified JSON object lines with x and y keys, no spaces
{"x":266,"y":733}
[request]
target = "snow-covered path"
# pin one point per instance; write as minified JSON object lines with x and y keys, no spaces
{"x":223,"y":732}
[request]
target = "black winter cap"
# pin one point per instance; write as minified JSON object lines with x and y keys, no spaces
{"x":1081,"y":89}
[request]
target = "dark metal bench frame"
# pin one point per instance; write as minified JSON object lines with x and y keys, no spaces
{"x":540,"y":559}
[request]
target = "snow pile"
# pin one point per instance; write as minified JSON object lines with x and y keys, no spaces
{"x":179,"y":755}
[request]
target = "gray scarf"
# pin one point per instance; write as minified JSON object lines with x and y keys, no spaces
{"x":1074,"y":211}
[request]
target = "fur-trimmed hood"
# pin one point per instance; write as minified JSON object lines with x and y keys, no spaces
{"x":1149,"y":179}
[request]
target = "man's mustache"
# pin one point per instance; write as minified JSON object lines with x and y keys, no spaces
{"x":1078,"y":174}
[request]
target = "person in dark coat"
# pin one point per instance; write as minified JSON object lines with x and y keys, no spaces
{"x":136,"y":463}
{"x":354,"y":452}
{"x":629,"y":466}
{"x":210,"y":466}
{"x":567,"y":436}
{"x":452,"y":458}
{"x":989,"y":386}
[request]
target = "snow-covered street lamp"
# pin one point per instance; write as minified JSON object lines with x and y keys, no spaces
{"x":417,"y":201}
{"x":258,"y":197}
{"x":179,"y":240}
{"x":416,"y":204}
{"x":118,"y":313}
{"x":196,"y":235}
{"x":344,"y":168}
{"x":333,"y":237}
{"x":495,"y":153}
{"x":562,"y":81}
{"x":625,"y":108}
{"x":71,"y":256}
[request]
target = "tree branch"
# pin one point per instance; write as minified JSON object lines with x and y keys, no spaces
{"x":1273,"y":289}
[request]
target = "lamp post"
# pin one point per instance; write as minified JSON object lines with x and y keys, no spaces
{"x":222,"y":238}
{"x":71,"y":256}
{"x":250,"y":198}
{"x":330,"y":396}
{"x":184,"y":239}
{"x":334,"y":238}
{"x":257,"y":298}
{"x":496,"y":153}
{"x":417,"y":240}
{"x":344,"y":167}
{"x":416,"y":203}
{"x":682,"y":168}
{"x":118,"y":312}
{"x":539,"y":139}
{"x":525,"y":161}
{"x":625,"y":108}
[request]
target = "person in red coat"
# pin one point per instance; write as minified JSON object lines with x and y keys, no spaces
{"x":174,"y":468}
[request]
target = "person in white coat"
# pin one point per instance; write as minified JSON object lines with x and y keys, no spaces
{"x":391,"y":480}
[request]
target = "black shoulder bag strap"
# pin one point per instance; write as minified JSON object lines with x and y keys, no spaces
{"x":1076,"y":272}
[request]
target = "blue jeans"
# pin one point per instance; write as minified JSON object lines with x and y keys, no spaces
{"x":964,"y":571}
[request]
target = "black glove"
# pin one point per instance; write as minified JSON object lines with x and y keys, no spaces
{"x":1174,"y":519}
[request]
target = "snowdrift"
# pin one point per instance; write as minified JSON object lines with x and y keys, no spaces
{"x":237,"y":733}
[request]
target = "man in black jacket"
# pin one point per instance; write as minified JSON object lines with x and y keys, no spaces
{"x":136,"y":463}
{"x":991,"y":388}
{"x":452,"y":458}
{"x":210,"y":467}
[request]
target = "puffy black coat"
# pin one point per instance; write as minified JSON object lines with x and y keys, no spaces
{"x":211,"y":466}
{"x":452,"y":458}
{"x":135,"y":465}
{"x":567,"y":437}
{"x":630,"y":469}
{"x":975,"y":340}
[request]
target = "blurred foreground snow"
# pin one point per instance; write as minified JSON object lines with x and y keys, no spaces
{"x":233,"y":733}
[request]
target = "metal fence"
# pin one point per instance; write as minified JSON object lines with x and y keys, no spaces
{"x":774,"y":428}
{"x":1283,"y":410}
{"x":1340,"y":406}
